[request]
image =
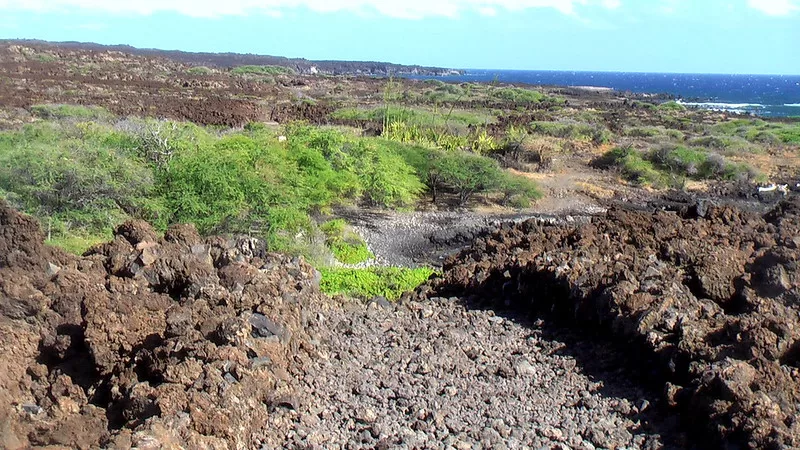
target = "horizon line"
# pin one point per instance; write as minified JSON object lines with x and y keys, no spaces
{"x":641,"y":72}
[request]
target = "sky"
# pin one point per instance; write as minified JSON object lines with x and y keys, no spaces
{"x":680,"y":36}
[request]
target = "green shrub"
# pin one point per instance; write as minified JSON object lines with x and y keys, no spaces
{"x":727,"y":144}
{"x":79,"y":112}
{"x":789,"y":134}
{"x":347,"y":246}
{"x":596,"y":134}
{"x":421,"y":117}
{"x":468,"y":174}
{"x":350,"y":253}
{"x":645,"y":132}
{"x":50,"y":172}
{"x":643,"y":105}
{"x":387,"y":179}
{"x":634,"y":166}
{"x":518,"y":191}
{"x":518,"y":95}
{"x":761,"y":131}
{"x":671,"y":106}
{"x":262,"y":70}
{"x":435,"y":83}
{"x":388,"y":282}
{"x":199,"y":70}
{"x":697,"y":163}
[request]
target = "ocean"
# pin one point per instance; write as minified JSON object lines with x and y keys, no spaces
{"x":762,"y":95}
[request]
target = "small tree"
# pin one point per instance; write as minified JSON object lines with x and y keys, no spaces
{"x":468,"y":174}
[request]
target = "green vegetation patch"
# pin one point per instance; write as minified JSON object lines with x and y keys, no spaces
{"x":388,"y":282}
{"x":347,"y":246}
{"x":78,"y":112}
{"x":422,"y":117}
{"x":670,"y":165}
{"x":671,"y":106}
{"x":518,"y":95}
{"x":761,"y":131}
{"x":84,"y":177}
{"x":77,"y":244}
{"x":594,"y":133}
{"x":635,"y":167}
{"x":75,"y":179}
{"x":262,"y":70}
{"x":465,"y":175}
{"x":726,"y":144}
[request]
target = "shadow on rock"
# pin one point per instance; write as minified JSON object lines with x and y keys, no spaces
{"x":702,"y":303}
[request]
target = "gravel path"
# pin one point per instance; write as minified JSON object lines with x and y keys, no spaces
{"x":438,"y":375}
{"x":428,"y":237}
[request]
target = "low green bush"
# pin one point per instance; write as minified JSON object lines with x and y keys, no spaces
{"x":761,"y":131}
{"x":388,"y":282}
{"x":199,"y":70}
{"x":77,"y":244}
{"x":634,"y":166}
{"x":519,"y":191}
{"x":726,"y":144}
{"x":61,"y":112}
{"x":72,"y":182}
{"x":351,"y":253}
{"x":593,"y":133}
{"x":262,"y":70}
{"x":671,"y":106}
{"x":347,"y":246}
{"x":423,"y":117}
{"x":518,"y":95}
{"x":789,"y":134}
{"x":670,"y":165}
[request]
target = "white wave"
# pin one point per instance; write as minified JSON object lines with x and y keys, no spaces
{"x":726,"y":106}
{"x":792,"y":105}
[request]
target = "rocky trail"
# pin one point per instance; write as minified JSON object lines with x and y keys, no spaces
{"x":634,"y":329}
{"x":439,"y":375}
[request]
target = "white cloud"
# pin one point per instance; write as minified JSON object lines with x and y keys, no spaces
{"x":216,"y":8}
{"x":775,"y":7}
{"x":611,"y":4}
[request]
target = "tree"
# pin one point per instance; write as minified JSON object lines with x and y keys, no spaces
{"x":468,"y":174}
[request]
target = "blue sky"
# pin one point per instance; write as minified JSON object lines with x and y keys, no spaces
{"x":692,"y":36}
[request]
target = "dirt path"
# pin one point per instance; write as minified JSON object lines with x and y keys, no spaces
{"x":438,"y":375}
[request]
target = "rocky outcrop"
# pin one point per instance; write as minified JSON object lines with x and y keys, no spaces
{"x":174,"y":341}
{"x":707,"y":302}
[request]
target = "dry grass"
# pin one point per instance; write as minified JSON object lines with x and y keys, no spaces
{"x":595,"y":191}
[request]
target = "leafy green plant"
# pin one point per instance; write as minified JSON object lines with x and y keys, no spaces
{"x":483,"y":143}
{"x":388,"y":282}
{"x":347,"y":246}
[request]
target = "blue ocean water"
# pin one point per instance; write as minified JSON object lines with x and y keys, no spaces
{"x":763,"y":95}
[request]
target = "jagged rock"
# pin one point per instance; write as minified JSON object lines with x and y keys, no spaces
{"x":708,"y":298}
{"x":144,"y":341}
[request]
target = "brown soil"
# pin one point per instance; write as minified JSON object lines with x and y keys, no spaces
{"x":151,"y":84}
{"x":708,"y":302}
{"x":173,"y":342}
